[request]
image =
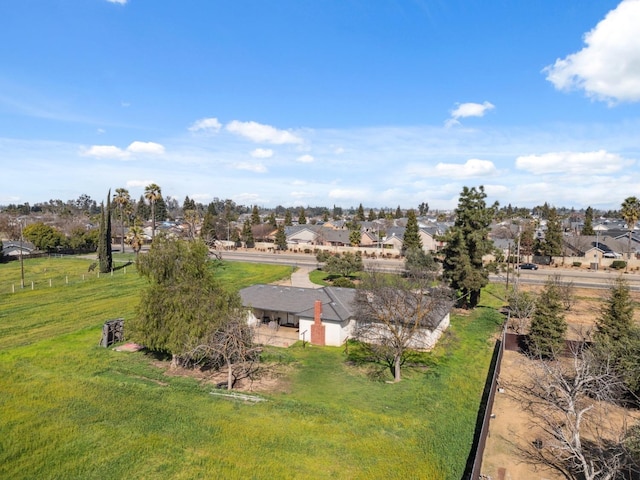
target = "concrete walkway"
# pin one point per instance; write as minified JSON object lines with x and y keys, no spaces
{"x":300,"y":278}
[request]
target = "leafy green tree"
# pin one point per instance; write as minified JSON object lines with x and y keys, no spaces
{"x":548,"y":326}
{"x":587,"y":228}
{"x":247,"y":235}
{"x":255,"y":216}
{"x":411,"y":240}
{"x":423,"y":209}
{"x":302,"y":219}
{"x":44,"y":237}
{"x":527,"y":240}
{"x":552,"y":244}
{"x":360,"y":214}
{"x":152,"y":193}
{"x":83,"y":239}
{"x":344,"y":265}
{"x":419,"y":264}
{"x":183,"y":301}
{"x":281,"y":238}
{"x":467,"y":242}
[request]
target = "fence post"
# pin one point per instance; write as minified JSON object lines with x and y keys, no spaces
{"x":32,"y":286}
{"x":49,"y":283}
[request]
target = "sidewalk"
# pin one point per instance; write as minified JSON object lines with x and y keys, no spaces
{"x":300,"y":279}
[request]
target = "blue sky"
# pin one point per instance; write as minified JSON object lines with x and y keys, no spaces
{"x":324,"y":102}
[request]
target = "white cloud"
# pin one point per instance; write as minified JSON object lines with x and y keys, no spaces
{"x":471,"y":168}
{"x":587,"y":163}
{"x":106,"y":151}
{"x":252,"y":167}
{"x":101,"y":131}
{"x":200,"y":197}
{"x":262,"y":153}
{"x":139,"y":183}
{"x":121,"y":2}
{"x":146,"y":147}
{"x":301,"y":195}
{"x":260,"y":133}
{"x":111,"y":151}
{"x":464,"y":110}
{"x":207,"y":125}
{"x":608,"y":67}
{"x":305,"y":159}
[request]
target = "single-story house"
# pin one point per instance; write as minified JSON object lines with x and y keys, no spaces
{"x":323,"y":316}
{"x":13,"y":248}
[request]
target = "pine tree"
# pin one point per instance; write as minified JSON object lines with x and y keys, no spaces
{"x":467,"y":242}
{"x":302,"y":219}
{"x":255,"y":216}
{"x":287,"y":218}
{"x":143,"y":211}
{"x":552,"y":244}
{"x":411,"y":239}
{"x":381,"y":214}
{"x":372,"y":215}
{"x":360,"y":214}
{"x":616,"y":314}
{"x":548,"y":326}
{"x":271,"y":220}
{"x":247,"y":235}
{"x":398,"y":213}
{"x":587,"y":228}
{"x":281,"y":238}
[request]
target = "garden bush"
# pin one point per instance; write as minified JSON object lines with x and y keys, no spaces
{"x":577,"y":264}
{"x":618,"y":264}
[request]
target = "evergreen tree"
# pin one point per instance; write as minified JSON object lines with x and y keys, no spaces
{"x":325,"y":216}
{"x":188,"y":204}
{"x":398,"y":213}
{"x":381,"y":214}
{"x":287,"y":218}
{"x":372,"y":215}
{"x":143,"y":211}
{"x":162,"y":213}
{"x":247,"y":235}
{"x":337,"y":213}
{"x":271,"y":220}
{"x":255,"y":216}
{"x":527,"y":239}
{"x":281,"y":238}
{"x":360,"y":214}
{"x":302,"y":219}
{"x":411,"y":239}
{"x":423,"y":209}
{"x":616,"y":314}
{"x":587,"y":229}
{"x":208,"y":230}
{"x":552,"y":244}
{"x":548,"y":326}
{"x":467,"y":242}
{"x":355,"y":235}
{"x":105,"y":259}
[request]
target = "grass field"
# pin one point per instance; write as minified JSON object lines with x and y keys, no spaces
{"x":71,"y":409}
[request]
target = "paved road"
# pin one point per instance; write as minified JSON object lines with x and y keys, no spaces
{"x":302,"y":260}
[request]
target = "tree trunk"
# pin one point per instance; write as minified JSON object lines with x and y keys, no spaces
{"x":396,"y":364}
{"x":474,"y":298}
{"x":174,"y":361}
{"x":229,"y":376}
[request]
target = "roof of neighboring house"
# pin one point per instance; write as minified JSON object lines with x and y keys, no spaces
{"x":336,"y":302}
{"x":9,"y":246}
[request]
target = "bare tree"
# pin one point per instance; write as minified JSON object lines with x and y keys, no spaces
{"x":566,"y":290}
{"x":570,"y":402}
{"x":395,"y":315}
{"x":229,"y":346}
{"x":521,"y":305}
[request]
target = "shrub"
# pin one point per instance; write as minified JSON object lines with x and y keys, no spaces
{"x":577,"y":264}
{"x":618,"y":264}
{"x":343,"y":282}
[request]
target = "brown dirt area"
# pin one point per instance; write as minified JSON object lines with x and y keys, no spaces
{"x":511,"y":426}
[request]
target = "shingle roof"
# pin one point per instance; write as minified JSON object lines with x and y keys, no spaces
{"x":336,"y":302}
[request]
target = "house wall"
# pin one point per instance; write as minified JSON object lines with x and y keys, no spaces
{"x":335,"y":333}
{"x":423,"y":340}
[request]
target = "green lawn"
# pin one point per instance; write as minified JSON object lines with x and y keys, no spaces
{"x":71,"y":409}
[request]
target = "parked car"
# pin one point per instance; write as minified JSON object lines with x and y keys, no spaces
{"x":528,"y":266}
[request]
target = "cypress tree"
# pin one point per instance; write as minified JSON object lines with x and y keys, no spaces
{"x":105,"y":259}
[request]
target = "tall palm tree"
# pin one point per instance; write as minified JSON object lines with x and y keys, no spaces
{"x":122,"y":199}
{"x":630,"y":212}
{"x":152,"y":193}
